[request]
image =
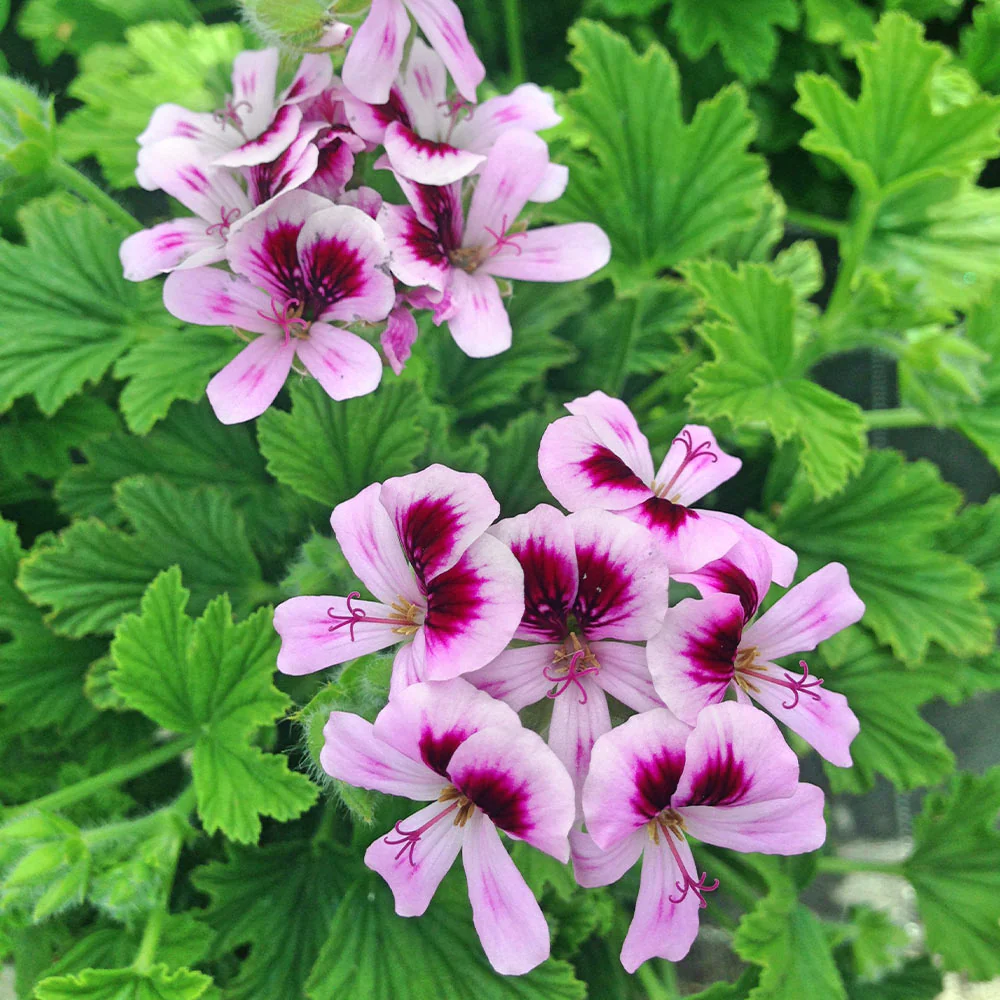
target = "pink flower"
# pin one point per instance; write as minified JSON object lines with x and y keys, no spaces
{"x":432,"y":245}
{"x":452,"y":595}
{"x":599,"y":458}
{"x":301,"y":265}
{"x":454,"y":746}
{"x":253,"y":126}
{"x":732,"y":782}
{"x":430,"y":139}
{"x":336,"y":142}
{"x":592,"y":586}
{"x":711,"y":646}
{"x":376,"y":53}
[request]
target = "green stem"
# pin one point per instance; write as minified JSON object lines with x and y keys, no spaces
{"x":902,"y":416}
{"x":150,"y":939}
{"x":72,"y":794}
{"x":69,"y":177}
{"x":515,"y":40}
{"x":852,"y":248}
{"x":655,"y":987}
{"x":817,"y":223}
{"x":835,"y":865}
{"x":618,"y":366}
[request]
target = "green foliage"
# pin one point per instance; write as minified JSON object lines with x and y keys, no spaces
{"x":212,"y":679}
{"x":27,"y":124}
{"x":156,"y":983}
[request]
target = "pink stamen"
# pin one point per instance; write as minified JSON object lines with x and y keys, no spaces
{"x":797,"y":685}
{"x":563,"y":681}
{"x":410,"y":838}
{"x":704,"y":450}
{"x":286,"y":319}
{"x":356,"y":615}
{"x":456,"y":105}
{"x":688,"y":884}
{"x":504,"y":240}
{"x":229,"y":114}
{"x":229,"y":216}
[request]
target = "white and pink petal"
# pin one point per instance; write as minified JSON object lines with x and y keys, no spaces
{"x":247,"y":386}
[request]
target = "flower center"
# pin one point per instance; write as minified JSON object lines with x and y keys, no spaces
{"x":671,"y":824}
{"x":470,"y":259}
{"x":704,"y":450}
{"x":566,"y":669}
{"x":230,"y":114}
{"x":289,"y":318}
{"x":747,"y":666}
{"x":403,"y":617}
{"x":408,"y":839}
{"x":227,"y":217}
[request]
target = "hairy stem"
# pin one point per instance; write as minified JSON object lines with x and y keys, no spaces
{"x":902,"y":416}
{"x":69,"y":177}
{"x":515,"y":40}
{"x":817,"y":223}
{"x":835,"y":865}
{"x":72,"y":794}
{"x":150,"y":940}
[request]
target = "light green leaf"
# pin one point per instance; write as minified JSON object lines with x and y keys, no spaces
{"x":786,"y":939}
{"x":975,"y":537}
{"x":27,"y":131}
{"x":158,"y":983}
{"x":330,"y":451}
{"x":894,"y":740}
{"x":980,"y":45}
{"x":891,"y":135}
{"x":926,"y":10}
{"x":873,"y":942}
{"x":882,"y":528}
{"x":121,"y":85}
{"x":844,"y":23}
{"x":955,"y":869}
{"x":371,"y":954}
{"x":92,"y":575}
{"x":279,"y":900}
{"x":212,"y":679}
{"x":513,"y":464}
{"x":916,"y":979}
{"x":981,"y":423}
{"x":746,"y":32}
{"x":664,"y":190}
{"x":630,"y":8}
{"x":757,"y":380}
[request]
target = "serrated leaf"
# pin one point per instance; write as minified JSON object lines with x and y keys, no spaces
{"x":329,"y":451}
{"x":513,"y":464}
{"x":882,"y":528}
{"x":894,"y":740}
{"x":158,"y":983}
{"x":27,"y":122}
{"x":371,"y":954}
{"x":873,"y":942}
{"x":892,"y":135}
{"x":916,"y":979}
{"x":92,"y":575}
{"x":844,"y":23}
{"x":955,"y":870}
{"x":758,"y":379}
{"x":663,"y":189}
{"x":746,"y":32}
{"x":980,"y":45}
{"x":786,"y":939}
{"x":975,"y":537}
{"x":213,"y":680}
{"x":981,"y":423}
{"x":279,"y":900}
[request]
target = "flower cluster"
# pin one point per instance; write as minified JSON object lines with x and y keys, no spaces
{"x":315,"y":264}
{"x":490,"y":617}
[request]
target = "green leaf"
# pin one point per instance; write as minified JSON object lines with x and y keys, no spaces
{"x":513,"y":463}
{"x":746,"y":32}
{"x":329,"y":451}
{"x":916,"y":979}
{"x":212,"y":679}
{"x":664,"y":190}
{"x":159,"y":983}
{"x":955,"y":870}
{"x":121,"y":85}
{"x":882,"y":528}
{"x":756,"y":377}
{"x":786,"y":939}
{"x":892,"y":134}
{"x":41,"y":674}
{"x":844,"y":23}
{"x":980,"y":45}
{"x":894,"y":740}
{"x":630,"y":8}
{"x":319,"y":568}
{"x":873,"y":942}
{"x":279,"y":900}
{"x":981,"y":423}
{"x":68,"y":312}
{"x":27,"y":124}
{"x":371,"y":954}
{"x":92,"y":575}
{"x":975,"y":537}
{"x":925,"y":10}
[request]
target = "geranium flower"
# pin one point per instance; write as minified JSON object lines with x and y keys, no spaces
{"x":432,"y":245}
{"x":598,"y":457}
{"x":711,"y":646}
{"x":252,"y":126}
{"x":335,"y":140}
{"x":732,"y":782}
{"x":376,"y":52}
{"x":430,"y":139}
{"x":591,"y":587}
{"x":452,"y":595}
{"x":301,"y":265}
{"x":466,"y":754}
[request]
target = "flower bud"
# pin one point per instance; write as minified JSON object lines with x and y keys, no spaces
{"x":303,"y":24}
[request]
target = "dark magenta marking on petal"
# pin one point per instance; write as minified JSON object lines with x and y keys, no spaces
{"x":727,"y":578}
{"x":723,"y":781}
{"x":549,"y":582}
{"x":500,"y":795}
{"x":454,"y":602}
{"x":427,"y":529}
{"x":441,"y":210}
{"x":170,"y":241}
{"x":605,"y":468}
{"x":604,"y":594}
{"x":437,"y":748}
{"x":660,"y":515}
{"x":432,"y":149}
{"x":333,"y":271}
{"x":278,"y":255}
{"x":424,"y":243}
{"x":277,"y":125}
{"x":711,"y":649}
{"x":656,"y":781}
